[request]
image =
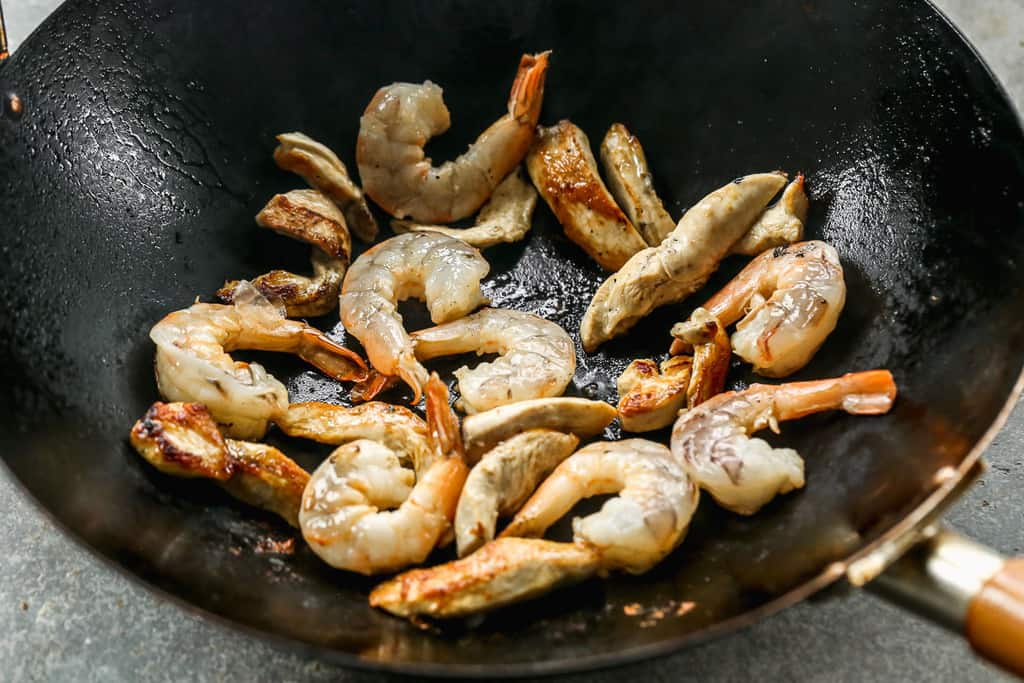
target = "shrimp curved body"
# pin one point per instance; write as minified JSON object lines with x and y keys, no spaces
{"x":402,"y":117}
{"x":366,"y":511}
{"x":504,"y":571}
{"x":636,"y":529}
{"x":536,"y":358}
{"x":789,"y":300}
{"x":682,"y":263}
{"x":712,"y":441}
{"x":441,"y":270}
{"x":193,"y":365}
{"x":504,"y":478}
{"x":307,"y":216}
{"x":584,"y":418}
{"x":505,"y":218}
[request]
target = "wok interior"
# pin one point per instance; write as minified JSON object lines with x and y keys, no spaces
{"x":132,"y":179}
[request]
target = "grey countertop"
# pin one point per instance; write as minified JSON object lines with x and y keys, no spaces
{"x":65,"y":616}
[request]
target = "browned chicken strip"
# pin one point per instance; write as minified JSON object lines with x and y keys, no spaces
{"x":181,"y":439}
{"x":630,"y":181}
{"x":563,"y":170}
{"x":323,"y":170}
{"x":307,"y":216}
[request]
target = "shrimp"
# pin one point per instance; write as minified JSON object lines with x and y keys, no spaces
{"x":636,"y":529}
{"x":192,"y":361}
{"x":402,"y":117}
{"x":790,"y":299}
{"x":780,"y":225}
{"x":681,"y":264}
{"x":629,"y":179}
{"x":504,"y":571}
{"x":502,"y":481}
{"x":649,"y":399}
{"x":323,"y":170}
{"x":562,"y":167}
{"x":307,"y":216}
{"x":537,"y":357}
{"x":504,"y":218}
{"x":364,"y":512}
{"x":182,"y":440}
{"x":584,"y":418}
{"x":742,"y":474}
{"x":441,"y":270}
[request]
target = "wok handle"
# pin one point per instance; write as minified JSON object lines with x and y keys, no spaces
{"x":964,"y":586}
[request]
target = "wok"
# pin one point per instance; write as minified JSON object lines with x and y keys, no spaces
{"x":135,"y":149}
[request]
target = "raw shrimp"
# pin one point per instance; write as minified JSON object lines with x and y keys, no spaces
{"x":502,"y":481}
{"x":308,"y":216}
{"x":790,"y":299}
{"x":441,"y":270}
{"x":322,"y":169}
{"x":579,"y":416}
{"x":682,"y":263}
{"x":364,"y":512}
{"x":649,"y":399}
{"x":182,"y":440}
{"x":402,"y":117}
{"x":504,"y":571}
{"x":636,"y":529}
{"x":780,"y":224}
{"x":504,"y":218}
{"x":712,"y":441}
{"x":537,"y":357}
{"x":192,"y":361}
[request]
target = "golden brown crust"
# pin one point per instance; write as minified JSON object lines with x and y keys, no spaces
{"x":650,"y":398}
{"x":563,"y":170}
{"x":182,"y":440}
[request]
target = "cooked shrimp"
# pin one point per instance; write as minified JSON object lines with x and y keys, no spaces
{"x":649,"y":399}
{"x":441,"y":270}
{"x":364,"y":512}
{"x":483,"y":431}
{"x":563,"y":169}
{"x":323,"y":170}
{"x":790,"y":299}
{"x":402,"y":117}
{"x":682,"y":263}
{"x":504,"y":571}
{"x":636,"y":529}
{"x":192,"y":361}
{"x":781,"y":224}
{"x":504,"y":218}
{"x":502,"y":481}
{"x":308,"y":216}
{"x":630,"y":181}
{"x":182,"y":440}
{"x":712,"y":441}
{"x":536,"y":358}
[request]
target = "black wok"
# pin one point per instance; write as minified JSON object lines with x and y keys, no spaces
{"x":135,"y":149}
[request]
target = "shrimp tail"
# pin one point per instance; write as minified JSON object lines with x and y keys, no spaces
{"x":871,"y":392}
{"x":442,"y":422}
{"x":319,"y":350}
{"x":411,"y":378}
{"x":374,"y":384}
{"x":527,"y":94}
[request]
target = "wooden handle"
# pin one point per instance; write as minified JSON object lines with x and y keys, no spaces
{"x":995,"y":618}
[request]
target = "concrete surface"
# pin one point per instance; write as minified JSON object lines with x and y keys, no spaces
{"x":64,"y":617}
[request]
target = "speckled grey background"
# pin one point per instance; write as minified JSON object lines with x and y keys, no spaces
{"x":66,"y":617}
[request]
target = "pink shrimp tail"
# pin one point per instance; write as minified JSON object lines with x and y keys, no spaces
{"x":871,"y":392}
{"x":527,"y":94}
{"x":442,"y":422}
